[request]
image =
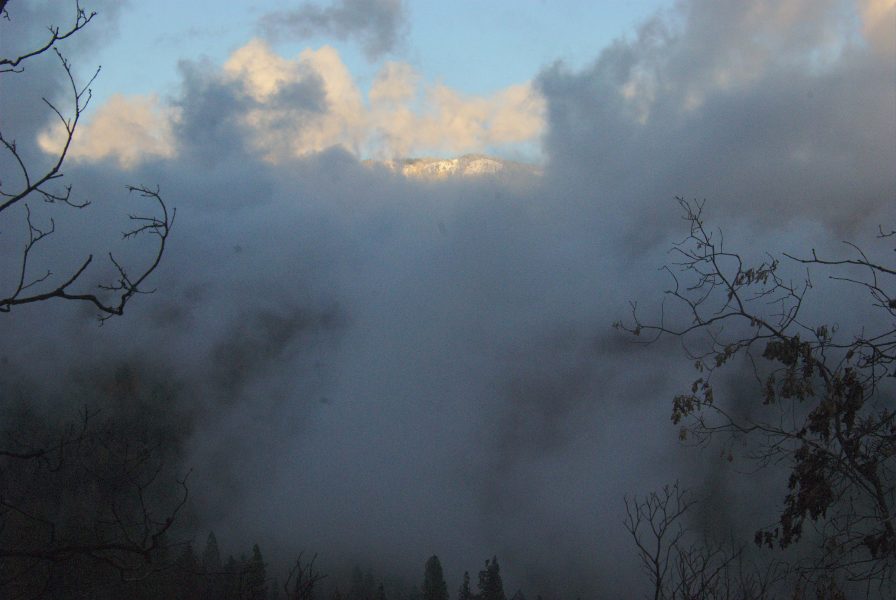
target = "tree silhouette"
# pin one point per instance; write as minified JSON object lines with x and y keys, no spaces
{"x":823,"y":401}
{"x":256,"y":576}
{"x":681,"y":566}
{"x":490,"y":585}
{"x":434,"y":587}
{"x":76,"y":501}
{"x":465,"y":593}
{"x":23,"y":180}
{"x":302,"y":580}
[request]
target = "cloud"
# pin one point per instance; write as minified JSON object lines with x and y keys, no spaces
{"x":285,"y":108}
{"x":126,"y":129}
{"x":409,"y":367}
{"x":446,"y":121}
{"x":42,"y":76}
{"x":754,"y":104}
{"x":378,"y":25}
{"x":878,"y":24}
{"x":329,"y":113}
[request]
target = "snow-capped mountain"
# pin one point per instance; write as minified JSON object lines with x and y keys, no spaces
{"x":469,"y":165}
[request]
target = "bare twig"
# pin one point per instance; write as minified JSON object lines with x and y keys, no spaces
{"x":823,"y":406}
{"x":56,"y":35}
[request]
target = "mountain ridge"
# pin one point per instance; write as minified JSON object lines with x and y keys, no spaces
{"x":467,"y":165}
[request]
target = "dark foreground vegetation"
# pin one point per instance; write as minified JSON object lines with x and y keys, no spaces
{"x":807,"y":398}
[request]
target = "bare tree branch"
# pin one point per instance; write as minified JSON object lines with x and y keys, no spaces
{"x":56,"y":35}
{"x":825,"y":405}
{"x":302,"y":579}
{"x":681,"y":566}
{"x":37,"y":288}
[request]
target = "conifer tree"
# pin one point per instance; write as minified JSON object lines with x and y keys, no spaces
{"x":465,"y":593}
{"x":490,"y":585}
{"x":211,"y":558}
{"x":213,"y":579}
{"x":232,"y":578}
{"x":256,"y":577}
{"x":380,"y":593}
{"x":434,"y":587}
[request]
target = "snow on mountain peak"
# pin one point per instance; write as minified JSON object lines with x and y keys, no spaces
{"x":469,"y":165}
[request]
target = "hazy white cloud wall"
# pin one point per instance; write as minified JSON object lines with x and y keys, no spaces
{"x":393,"y":368}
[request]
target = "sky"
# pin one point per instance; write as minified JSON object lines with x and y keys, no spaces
{"x":473,"y":47}
{"x":384,"y":368}
{"x":445,"y":55}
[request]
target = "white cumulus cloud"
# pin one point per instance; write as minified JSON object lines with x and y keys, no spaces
{"x":290,"y":107}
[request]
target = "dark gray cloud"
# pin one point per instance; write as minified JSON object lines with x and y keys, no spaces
{"x":211,"y":108}
{"x":752,"y":106}
{"x":378,"y":25}
{"x":386,"y":368}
